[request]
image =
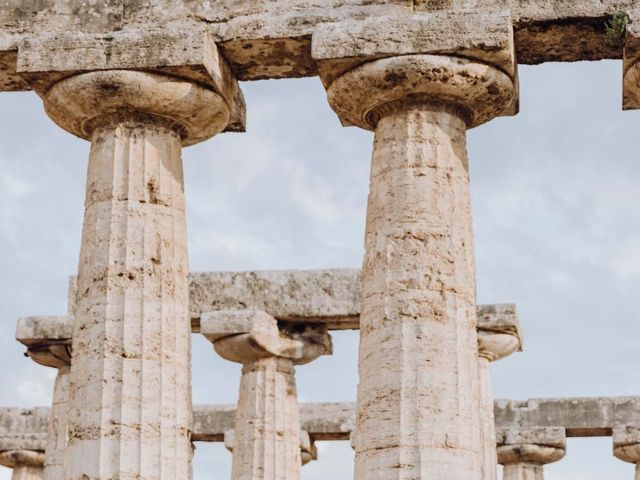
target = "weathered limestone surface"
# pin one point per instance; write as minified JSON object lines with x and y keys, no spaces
{"x":418,"y":395}
{"x":52,"y":352}
{"x":626,"y":446}
{"x":631,"y":85}
{"x":524,"y":452}
{"x":26,"y":464}
{"x":308,"y":450}
{"x":498,"y":337}
{"x":267,"y":424}
{"x":330,"y":297}
{"x":580,"y":417}
{"x":129,"y":405}
{"x":272,"y":39}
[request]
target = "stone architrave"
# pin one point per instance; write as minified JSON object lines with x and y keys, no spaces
{"x":130,"y":393}
{"x":418,"y":396}
{"x":26,"y":464}
{"x":626,"y":446}
{"x":267,"y":425}
{"x":525,"y":451}
{"x":498,"y":337}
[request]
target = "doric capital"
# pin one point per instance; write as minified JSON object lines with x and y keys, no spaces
{"x":22,"y":458}
{"x":499,"y":333}
{"x":626,"y":444}
{"x":179,"y":51}
{"x":48,"y":339}
{"x":246,"y":336}
{"x":539,"y":446}
{"x":308,"y":450}
{"x":83,"y":102}
{"x":464,"y":61}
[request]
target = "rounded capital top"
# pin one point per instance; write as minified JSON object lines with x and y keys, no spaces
{"x":476,"y":91}
{"x":626,"y":444}
{"x":83,"y":102}
{"x":22,"y":458}
{"x":529,"y":453}
{"x":495,"y":345}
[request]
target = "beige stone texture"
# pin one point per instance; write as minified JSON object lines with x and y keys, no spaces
{"x":631,"y":64}
{"x":272,"y":39}
{"x":330,"y":296}
{"x":26,"y":464}
{"x":418,"y":396}
{"x":524,"y":451}
{"x":129,"y":400}
{"x":498,"y":337}
{"x":267,"y":439}
{"x":626,"y":446}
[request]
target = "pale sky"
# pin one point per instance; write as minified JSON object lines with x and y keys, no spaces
{"x":556,"y":193}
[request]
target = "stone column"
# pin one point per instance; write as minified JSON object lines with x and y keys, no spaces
{"x":498,"y":337}
{"x":418,"y":396}
{"x":626,"y":446}
{"x":56,"y":355}
{"x":26,"y":464}
{"x":525,"y":452}
{"x":130,"y":401}
{"x":267,"y":424}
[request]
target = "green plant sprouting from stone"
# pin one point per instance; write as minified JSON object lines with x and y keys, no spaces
{"x":615,"y":29}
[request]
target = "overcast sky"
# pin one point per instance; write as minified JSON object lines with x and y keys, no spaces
{"x":556,"y":194}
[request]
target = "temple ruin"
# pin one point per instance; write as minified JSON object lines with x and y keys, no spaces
{"x":140,"y":80}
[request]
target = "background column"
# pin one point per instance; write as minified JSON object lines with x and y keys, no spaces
{"x":525,"y":452}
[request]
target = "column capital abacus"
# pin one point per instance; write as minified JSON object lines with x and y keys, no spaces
{"x":538,"y":446}
{"x":48,"y":339}
{"x":246,"y":336}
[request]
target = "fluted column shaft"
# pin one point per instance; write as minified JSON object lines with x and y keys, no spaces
{"x":487,"y":421}
{"x":523,"y":471}
{"x":27,"y":473}
{"x":267,"y":426}
{"x":418,"y":391}
{"x":130,"y":384}
{"x":130,"y":409}
{"x":57,"y":431}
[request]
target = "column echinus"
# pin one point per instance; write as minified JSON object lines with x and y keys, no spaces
{"x":499,"y":336}
{"x":525,"y":451}
{"x":418,"y":396}
{"x":626,"y":446}
{"x":267,"y":441}
{"x":51,"y":347}
{"x":130,"y":400}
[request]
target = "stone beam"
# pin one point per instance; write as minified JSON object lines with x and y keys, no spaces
{"x":273,"y":39}
{"x":23,"y":429}
{"x":580,"y":417}
{"x":330,"y":297}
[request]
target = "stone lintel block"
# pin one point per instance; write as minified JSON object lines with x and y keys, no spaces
{"x":34,"y":442}
{"x":187,"y":52}
{"x":631,"y":63}
{"x":330,"y":297}
{"x":484,"y":35}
